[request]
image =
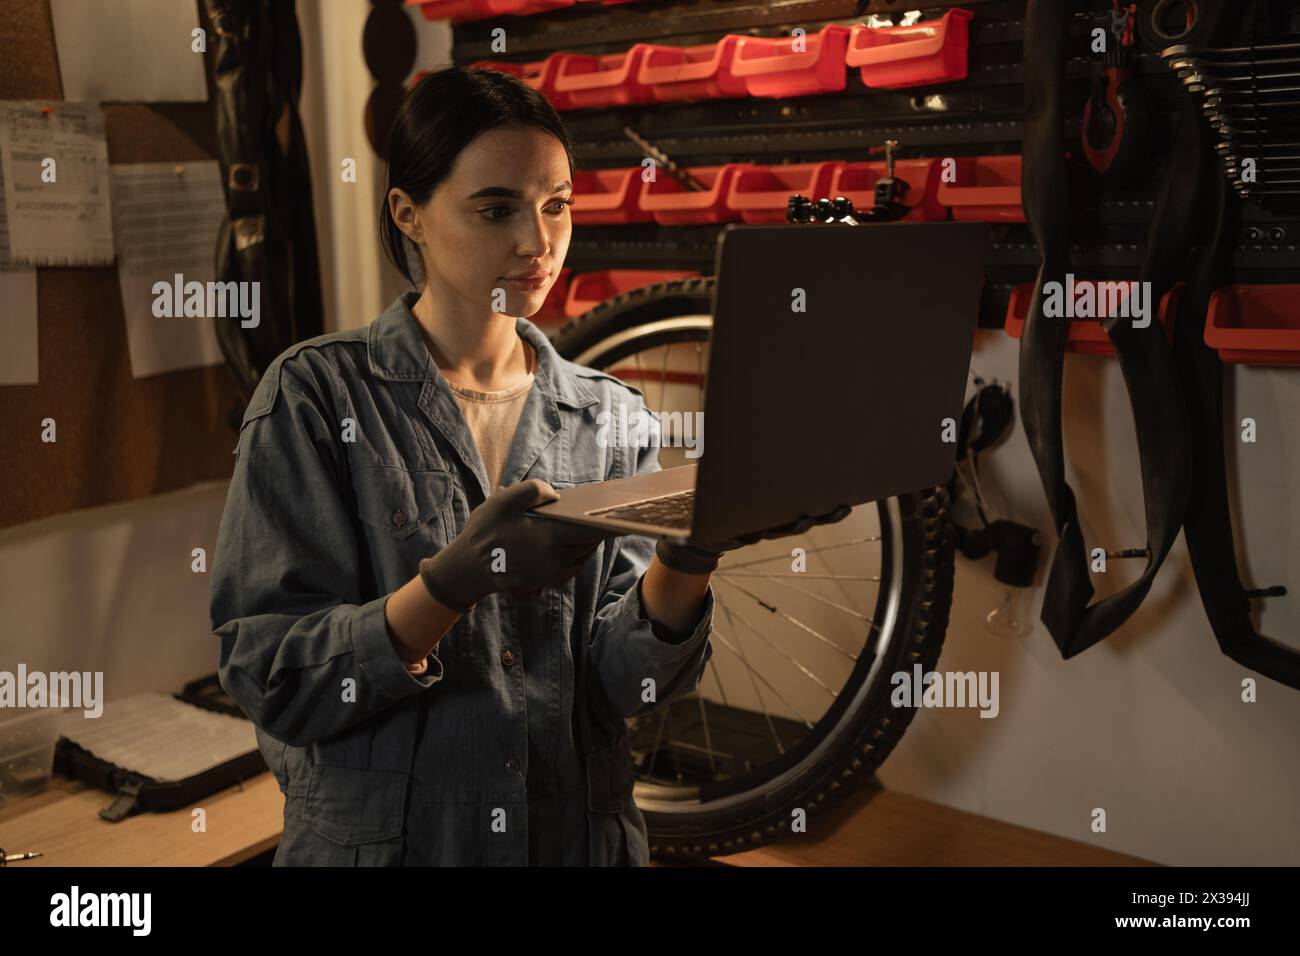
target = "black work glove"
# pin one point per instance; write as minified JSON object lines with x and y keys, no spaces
{"x":537,"y":552}
{"x":703,"y":559}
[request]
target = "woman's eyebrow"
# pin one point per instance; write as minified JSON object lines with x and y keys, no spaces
{"x":505,"y":193}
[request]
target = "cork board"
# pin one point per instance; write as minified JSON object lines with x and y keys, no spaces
{"x":118,"y":437}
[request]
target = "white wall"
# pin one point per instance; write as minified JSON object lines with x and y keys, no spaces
{"x":357,"y":280}
{"x":1149,"y":724}
{"x":111,"y":589}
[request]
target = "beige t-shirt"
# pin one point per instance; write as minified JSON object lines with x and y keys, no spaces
{"x":493,"y":418}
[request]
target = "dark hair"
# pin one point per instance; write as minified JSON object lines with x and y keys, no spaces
{"x":437,"y":119}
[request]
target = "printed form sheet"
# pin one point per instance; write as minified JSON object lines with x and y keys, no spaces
{"x":166,"y":219}
{"x":55,"y":162}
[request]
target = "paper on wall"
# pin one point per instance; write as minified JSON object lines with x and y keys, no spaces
{"x":166,"y":224}
{"x":133,"y":50}
{"x":55,"y":164}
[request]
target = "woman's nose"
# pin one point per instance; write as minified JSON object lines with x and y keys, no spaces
{"x":536,"y":237}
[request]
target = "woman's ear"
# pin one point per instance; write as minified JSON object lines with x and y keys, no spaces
{"x":404,"y":215}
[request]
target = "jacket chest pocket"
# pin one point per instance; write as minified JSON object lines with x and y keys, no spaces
{"x":408,"y":507}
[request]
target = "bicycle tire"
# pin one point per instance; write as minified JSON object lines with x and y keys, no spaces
{"x":865,"y":734}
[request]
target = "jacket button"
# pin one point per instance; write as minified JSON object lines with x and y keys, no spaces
{"x":512,"y":764}
{"x":399,"y":518}
{"x":507,"y":658}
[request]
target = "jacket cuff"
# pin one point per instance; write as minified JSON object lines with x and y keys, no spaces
{"x":386,"y":673}
{"x":662,"y":633}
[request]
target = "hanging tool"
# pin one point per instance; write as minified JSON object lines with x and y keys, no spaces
{"x":889,"y":189}
{"x":1117,"y":116}
{"x":677,"y":173}
{"x":1251,"y":96}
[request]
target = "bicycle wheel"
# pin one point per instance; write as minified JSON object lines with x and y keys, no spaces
{"x":805,"y":716}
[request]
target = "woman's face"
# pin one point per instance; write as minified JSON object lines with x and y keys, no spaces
{"x":502,"y":213}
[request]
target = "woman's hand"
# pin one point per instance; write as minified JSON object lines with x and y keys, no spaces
{"x":502,"y":548}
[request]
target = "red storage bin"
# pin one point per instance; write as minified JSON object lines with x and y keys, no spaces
{"x":771,"y":67}
{"x":692,"y":72}
{"x":457,"y":11}
{"x":1086,"y":335}
{"x":857,"y":181}
{"x":590,"y":289}
{"x":987,"y":189}
{"x":670,"y":204}
{"x":610,"y":79}
{"x":604,"y":196}
{"x":462,"y":11}
{"x":1255,"y":324}
{"x":893,"y":58}
{"x":762,"y":193}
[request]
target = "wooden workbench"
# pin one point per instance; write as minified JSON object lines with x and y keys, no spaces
{"x":869,"y":828}
{"x":875,"y":827}
{"x":63,"y":823}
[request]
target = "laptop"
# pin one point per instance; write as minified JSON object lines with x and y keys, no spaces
{"x":841,"y":403}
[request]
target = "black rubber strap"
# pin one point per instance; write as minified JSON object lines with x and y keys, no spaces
{"x":1143,"y":353}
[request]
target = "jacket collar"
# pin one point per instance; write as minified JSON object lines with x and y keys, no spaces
{"x":398,"y":353}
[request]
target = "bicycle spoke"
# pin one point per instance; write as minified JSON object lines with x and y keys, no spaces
{"x":785,"y":557}
{"x":806,"y":672}
{"x":817,"y":597}
{"x":800,"y":574}
{"x":722,"y":691}
{"x":708,"y":740}
{"x":799,"y":624}
{"x":727,"y":644}
{"x":687,"y":745}
{"x":761,"y":703}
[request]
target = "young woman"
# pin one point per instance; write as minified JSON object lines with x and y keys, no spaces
{"x":434,"y":676}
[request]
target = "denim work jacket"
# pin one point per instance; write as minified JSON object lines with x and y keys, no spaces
{"x":353,"y":463}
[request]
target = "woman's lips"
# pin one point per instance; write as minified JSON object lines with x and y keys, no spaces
{"x":530,"y":283}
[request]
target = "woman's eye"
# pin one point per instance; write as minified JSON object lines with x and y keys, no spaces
{"x":557,"y":209}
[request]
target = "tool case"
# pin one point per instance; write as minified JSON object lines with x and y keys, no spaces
{"x":134,"y":792}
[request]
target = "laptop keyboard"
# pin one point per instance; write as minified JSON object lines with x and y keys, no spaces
{"x":673,"y":511}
